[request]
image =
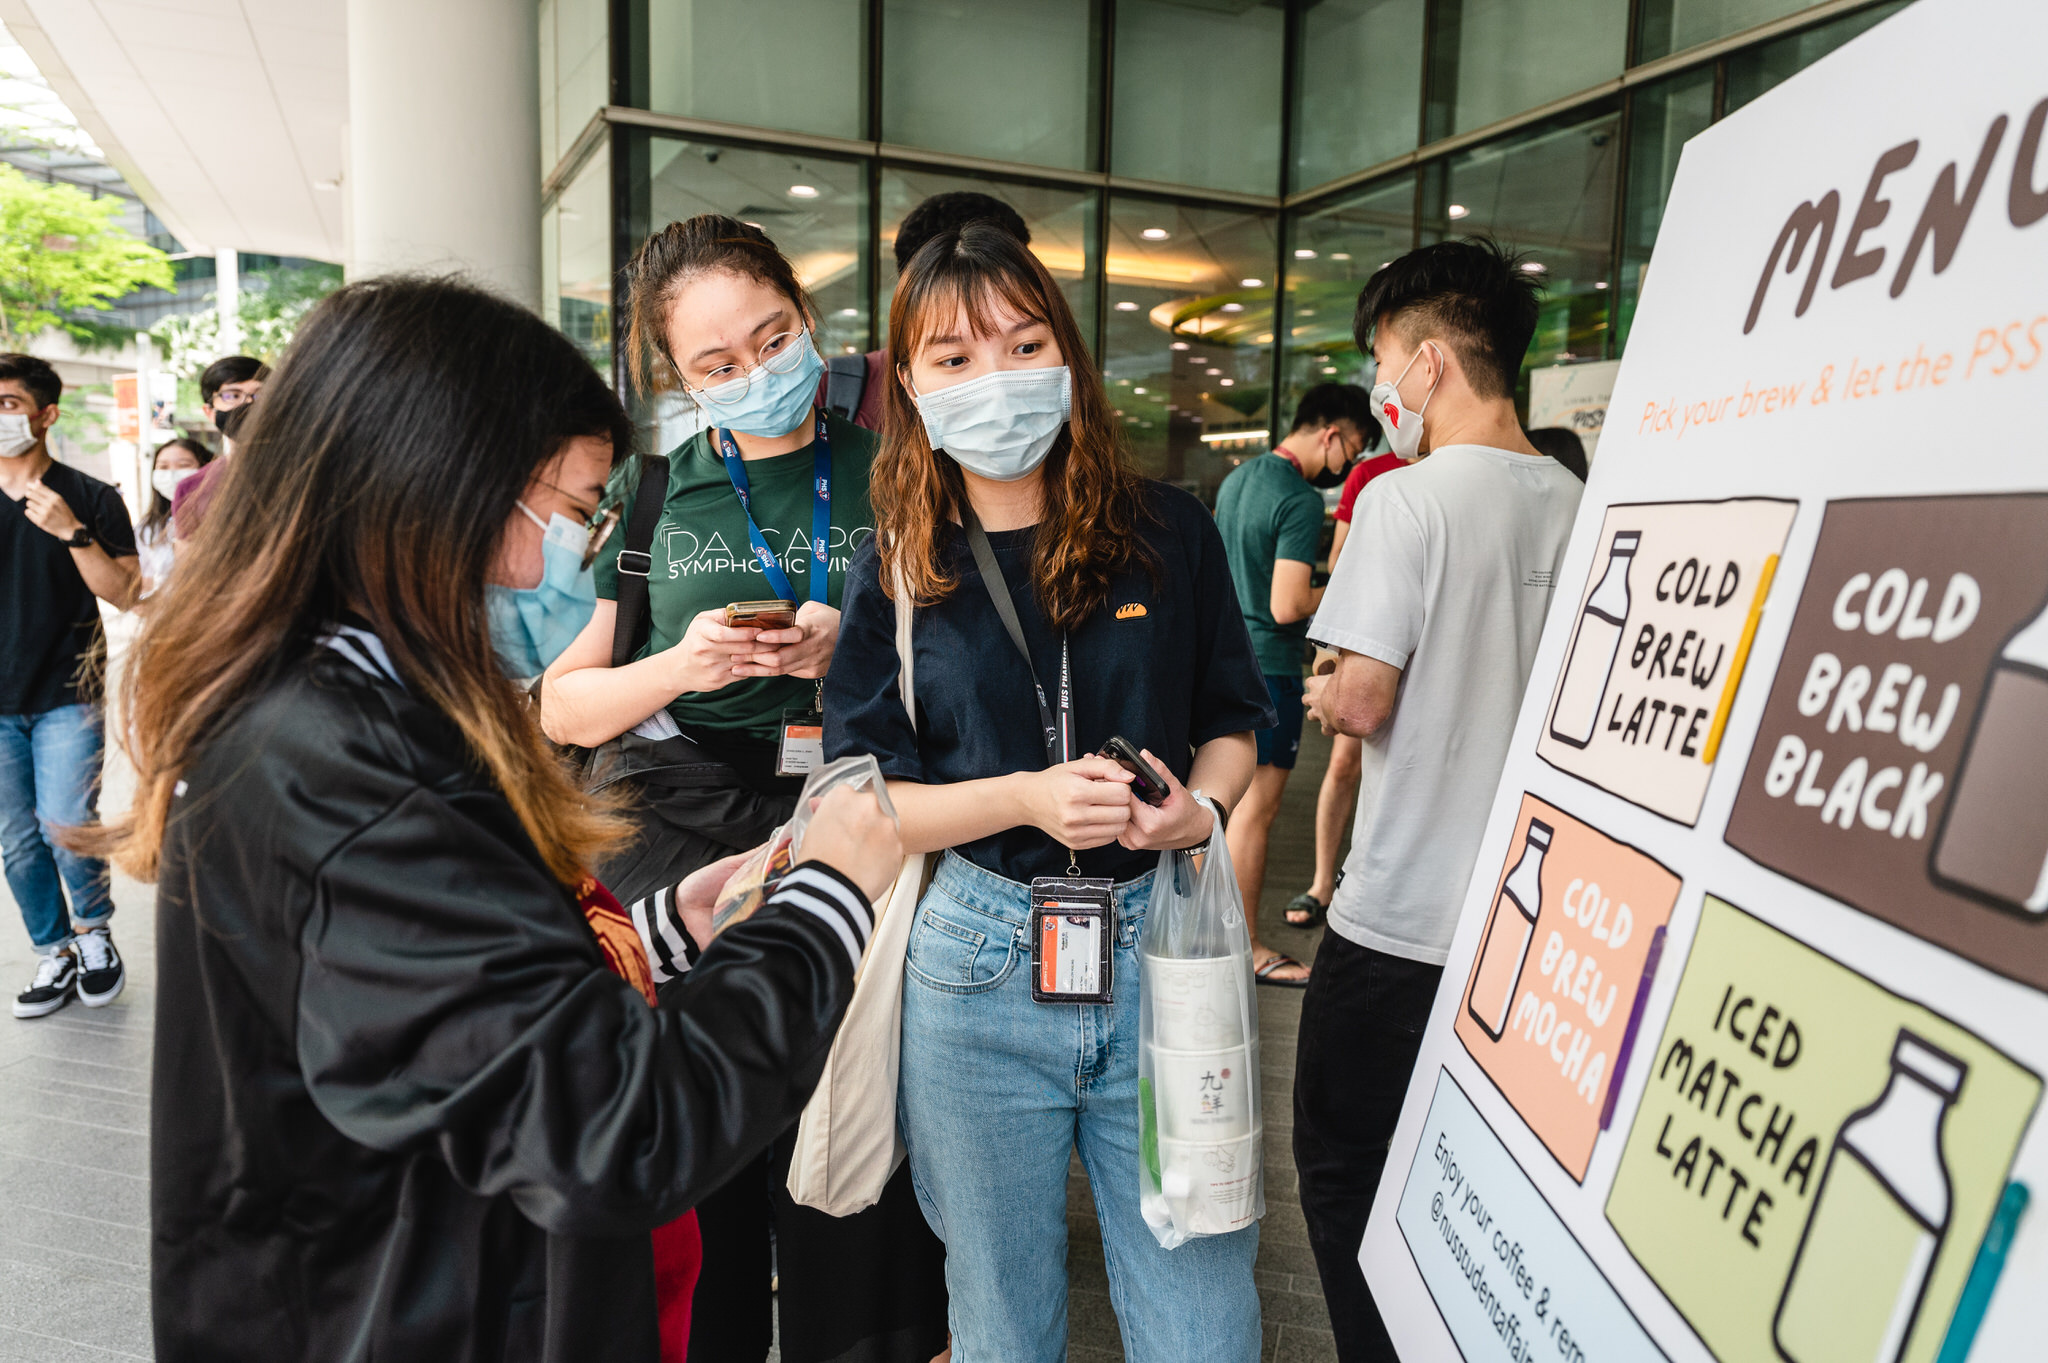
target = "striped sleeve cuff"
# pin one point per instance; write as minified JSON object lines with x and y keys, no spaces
{"x":670,"y":951}
{"x":822,"y":892}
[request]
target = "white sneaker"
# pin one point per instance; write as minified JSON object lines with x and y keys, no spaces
{"x":56,"y":979}
{"x":101,"y":977}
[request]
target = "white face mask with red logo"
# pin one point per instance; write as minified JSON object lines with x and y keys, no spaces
{"x":1402,"y":425}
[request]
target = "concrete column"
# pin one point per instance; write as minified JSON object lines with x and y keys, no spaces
{"x":227,"y":299}
{"x":444,"y":140}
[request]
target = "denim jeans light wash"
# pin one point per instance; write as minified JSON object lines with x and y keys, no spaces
{"x":996,"y":1090}
{"x":49,"y":779}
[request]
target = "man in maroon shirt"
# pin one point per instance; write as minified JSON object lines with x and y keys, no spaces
{"x":226,"y":389}
{"x":854,"y":385}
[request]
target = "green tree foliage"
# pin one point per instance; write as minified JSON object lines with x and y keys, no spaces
{"x":61,"y":251}
{"x":268,"y":310}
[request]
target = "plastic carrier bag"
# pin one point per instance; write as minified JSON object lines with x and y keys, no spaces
{"x":1200,"y":1164}
{"x":751,"y":885}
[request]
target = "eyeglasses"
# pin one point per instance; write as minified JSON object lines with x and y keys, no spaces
{"x":728,"y":384}
{"x":228,"y":398}
{"x":599,"y":523}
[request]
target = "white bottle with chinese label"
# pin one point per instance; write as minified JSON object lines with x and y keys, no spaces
{"x":1993,"y":843}
{"x":1878,"y":1219}
{"x":1505,"y":948}
{"x":1595,"y":646}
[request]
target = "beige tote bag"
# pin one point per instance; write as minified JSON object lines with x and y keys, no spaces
{"x":847,"y":1144}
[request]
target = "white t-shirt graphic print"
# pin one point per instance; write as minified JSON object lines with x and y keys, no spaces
{"x":1447,"y":575}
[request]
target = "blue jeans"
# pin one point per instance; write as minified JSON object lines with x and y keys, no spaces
{"x":996,"y":1090}
{"x":49,"y":779}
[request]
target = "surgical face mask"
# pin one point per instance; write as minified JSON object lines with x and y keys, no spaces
{"x":1333,"y":473}
{"x":166,"y":481}
{"x":16,"y":439}
{"x":1001,"y":425}
{"x":531,"y":626}
{"x":762,"y":402}
{"x":1403,"y":427}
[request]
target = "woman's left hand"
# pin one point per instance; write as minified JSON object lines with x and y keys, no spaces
{"x":1178,"y":821}
{"x":802,"y":651}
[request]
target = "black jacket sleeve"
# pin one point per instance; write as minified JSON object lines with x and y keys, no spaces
{"x":451,"y":994}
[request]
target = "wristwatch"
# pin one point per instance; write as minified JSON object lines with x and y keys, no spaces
{"x":80,"y":538}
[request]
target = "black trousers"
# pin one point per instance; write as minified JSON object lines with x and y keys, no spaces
{"x":1361,"y":1026}
{"x":866,"y":1288}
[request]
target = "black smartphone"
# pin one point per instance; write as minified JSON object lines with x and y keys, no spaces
{"x":1147,"y":784}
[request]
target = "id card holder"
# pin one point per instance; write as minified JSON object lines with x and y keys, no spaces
{"x":800,"y":742}
{"x":1073,"y":939}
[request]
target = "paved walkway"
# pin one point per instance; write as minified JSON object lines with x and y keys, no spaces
{"x":74,"y":1131}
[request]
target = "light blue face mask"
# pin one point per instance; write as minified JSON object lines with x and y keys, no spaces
{"x":773,"y":404}
{"x":531,"y":626}
{"x":1001,"y":425}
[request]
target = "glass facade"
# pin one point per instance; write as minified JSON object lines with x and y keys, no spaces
{"x":1188,"y":333}
{"x":1218,"y":129}
{"x":733,"y":60}
{"x":1210,"y":181}
{"x":1009,"y":82}
{"x":1352,"y":106}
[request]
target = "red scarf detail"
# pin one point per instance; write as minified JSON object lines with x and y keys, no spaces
{"x":678,"y":1249}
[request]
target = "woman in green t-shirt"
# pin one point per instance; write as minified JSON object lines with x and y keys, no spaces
{"x":768,"y":502}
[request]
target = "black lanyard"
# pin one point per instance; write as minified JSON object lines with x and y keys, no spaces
{"x":1058,"y":730}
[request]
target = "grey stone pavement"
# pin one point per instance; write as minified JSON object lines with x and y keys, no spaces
{"x":74,"y":1133}
{"x":74,"y":1145}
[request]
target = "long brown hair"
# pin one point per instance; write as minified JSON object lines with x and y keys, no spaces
{"x":666,"y":263}
{"x":1094,"y":499}
{"x":375,"y":474}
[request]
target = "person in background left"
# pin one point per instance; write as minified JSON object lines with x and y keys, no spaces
{"x":1564,"y":445}
{"x":227,"y":391}
{"x":176,"y":463}
{"x":65,"y":545}
{"x":1270,"y":511}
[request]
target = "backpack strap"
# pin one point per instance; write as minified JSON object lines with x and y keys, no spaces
{"x":846,"y":380}
{"x":629,"y":629}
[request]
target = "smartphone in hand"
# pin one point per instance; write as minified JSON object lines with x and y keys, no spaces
{"x":1146,"y":782}
{"x":760,"y":615}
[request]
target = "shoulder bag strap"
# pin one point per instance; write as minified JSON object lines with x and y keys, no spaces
{"x":846,"y":382}
{"x":629,"y":629}
{"x":906,"y":677}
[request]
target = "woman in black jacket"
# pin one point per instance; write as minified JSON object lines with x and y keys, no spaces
{"x":402,"y":1106}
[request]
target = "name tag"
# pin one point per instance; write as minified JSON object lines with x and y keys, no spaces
{"x":1073,"y":939}
{"x":800,"y":749}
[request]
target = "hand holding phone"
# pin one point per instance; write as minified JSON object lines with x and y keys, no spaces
{"x":1146,"y":782}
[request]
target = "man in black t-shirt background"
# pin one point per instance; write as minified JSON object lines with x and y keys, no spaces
{"x":66,"y":544}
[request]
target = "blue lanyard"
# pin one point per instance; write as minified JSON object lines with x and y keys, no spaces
{"x":821,"y":516}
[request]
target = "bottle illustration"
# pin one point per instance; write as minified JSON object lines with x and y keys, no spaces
{"x":1505,"y":947}
{"x":1993,"y":840}
{"x":1596,"y":644}
{"x":1857,"y":1278}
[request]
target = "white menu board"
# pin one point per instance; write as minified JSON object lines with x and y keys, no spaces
{"x":1739,"y":1051}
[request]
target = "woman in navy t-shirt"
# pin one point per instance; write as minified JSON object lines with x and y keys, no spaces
{"x":997,"y":427}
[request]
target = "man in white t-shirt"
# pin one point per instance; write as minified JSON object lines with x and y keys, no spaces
{"x":1435,"y":609}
